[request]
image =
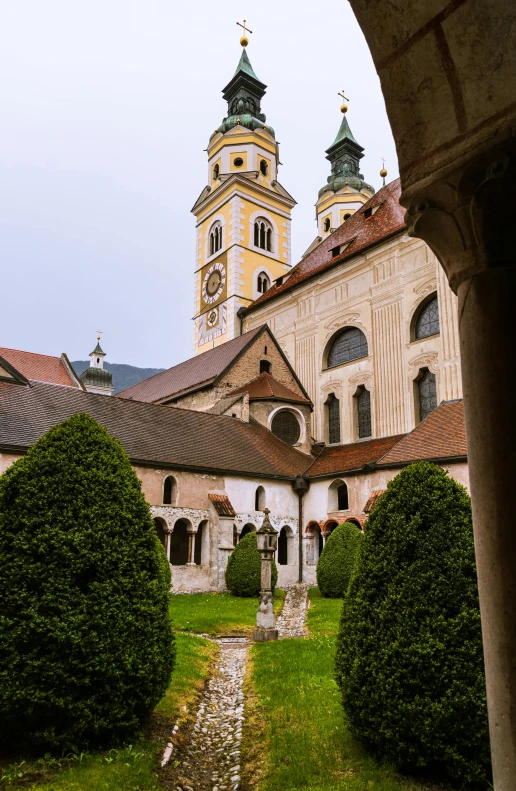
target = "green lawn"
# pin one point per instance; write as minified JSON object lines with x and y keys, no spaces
{"x":297,"y":711}
{"x":217,"y":613}
{"x":135,"y":767}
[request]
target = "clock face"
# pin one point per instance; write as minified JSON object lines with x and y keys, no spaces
{"x":213,"y":283}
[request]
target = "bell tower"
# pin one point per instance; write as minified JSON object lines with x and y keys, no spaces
{"x":242,"y":215}
{"x":345,"y":190}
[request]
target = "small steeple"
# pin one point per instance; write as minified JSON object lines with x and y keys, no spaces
{"x":95,"y":379}
{"x":243,"y":94}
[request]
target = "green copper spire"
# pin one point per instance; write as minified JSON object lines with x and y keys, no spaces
{"x":345,"y":155}
{"x":243,"y":94}
{"x":244,"y":64}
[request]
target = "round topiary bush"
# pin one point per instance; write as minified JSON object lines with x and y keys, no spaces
{"x":337,"y":560}
{"x":86,"y":644}
{"x":409,"y":652}
{"x":243,"y":572}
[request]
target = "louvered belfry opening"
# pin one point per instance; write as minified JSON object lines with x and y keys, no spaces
{"x":427,"y":388}
{"x":285,"y":426}
{"x":350,"y":344}
{"x":333,"y":405}
{"x":364,"y":413}
{"x":427,"y":322}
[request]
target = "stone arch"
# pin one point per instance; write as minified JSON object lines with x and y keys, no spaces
{"x":260,"y":500}
{"x":201,"y":544}
{"x":316,"y":544}
{"x":247,"y":528}
{"x":179,"y":542}
{"x":161,"y":530}
{"x":328,"y":527}
{"x":297,"y":414}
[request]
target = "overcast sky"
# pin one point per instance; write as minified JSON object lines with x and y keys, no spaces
{"x":106,"y":107}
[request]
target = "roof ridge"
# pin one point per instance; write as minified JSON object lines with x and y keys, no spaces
{"x":35,"y":354}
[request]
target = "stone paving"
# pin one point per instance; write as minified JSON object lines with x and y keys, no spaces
{"x":291,"y":621}
{"x":211,"y":761}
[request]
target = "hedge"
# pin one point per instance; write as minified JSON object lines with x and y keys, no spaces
{"x":409,"y":651}
{"x":86,"y":644}
{"x":243,"y":572}
{"x":337,"y":560}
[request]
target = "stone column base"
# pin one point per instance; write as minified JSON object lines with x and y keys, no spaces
{"x":261,"y":635}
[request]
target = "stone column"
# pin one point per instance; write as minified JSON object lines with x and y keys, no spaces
{"x":467,"y":218}
{"x":225,"y":548}
{"x":192,"y":532}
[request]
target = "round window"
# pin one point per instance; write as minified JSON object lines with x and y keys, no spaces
{"x":238,"y":162}
{"x":285,"y":426}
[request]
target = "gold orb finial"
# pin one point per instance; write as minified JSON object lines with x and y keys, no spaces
{"x":383,"y":173}
{"x":244,"y":40}
{"x":344,"y":108}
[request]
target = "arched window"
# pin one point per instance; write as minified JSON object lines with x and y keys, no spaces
{"x":265,"y":367}
{"x":342,"y":497}
{"x":327,"y":224}
{"x":263,"y":283}
{"x":427,"y":320}
{"x":169,"y":490}
{"x":427,"y":393}
{"x":333,"y":410}
{"x":215,"y":238}
{"x":179,"y":544}
{"x":363,"y":406}
{"x":264,"y":168}
{"x":337,"y":496}
{"x":350,"y":344}
{"x":216,"y":171}
{"x":285,"y":425}
{"x":198,"y":545}
{"x":263,"y":234}
{"x":347,"y":216}
{"x":259,"y":499}
{"x":285,"y":546}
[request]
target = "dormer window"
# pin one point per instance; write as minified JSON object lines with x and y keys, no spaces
{"x":335,"y":251}
{"x":264,"y":168}
{"x":368,"y":213}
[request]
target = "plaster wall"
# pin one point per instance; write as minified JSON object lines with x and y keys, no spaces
{"x":6,"y":459}
{"x":378,"y":292}
{"x":192,"y":487}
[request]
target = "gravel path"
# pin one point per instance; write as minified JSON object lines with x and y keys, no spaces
{"x":291,"y":621}
{"x":211,"y":762}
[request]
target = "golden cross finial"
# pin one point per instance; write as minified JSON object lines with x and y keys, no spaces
{"x":99,"y":333}
{"x":244,"y":40}
{"x":343,"y":107}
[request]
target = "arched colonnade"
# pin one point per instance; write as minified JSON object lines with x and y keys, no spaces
{"x":184,"y":534}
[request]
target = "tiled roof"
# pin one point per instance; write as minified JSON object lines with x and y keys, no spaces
{"x":266,"y":387}
{"x":150,"y":433}
{"x":222,"y":504}
{"x":41,"y":367}
{"x":372,"y":499}
{"x":198,"y":371}
{"x":358,"y":233}
{"x":337,"y":459}
{"x":441,"y":435}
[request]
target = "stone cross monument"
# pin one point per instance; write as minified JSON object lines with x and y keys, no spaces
{"x":267,"y":542}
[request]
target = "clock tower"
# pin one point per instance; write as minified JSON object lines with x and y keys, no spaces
{"x":243,"y":214}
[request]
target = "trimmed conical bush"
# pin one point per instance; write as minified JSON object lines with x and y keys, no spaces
{"x":86,"y":644}
{"x":337,"y":560}
{"x":409,"y":652}
{"x":243,"y":572}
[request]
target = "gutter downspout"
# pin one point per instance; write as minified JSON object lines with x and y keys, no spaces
{"x":300,"y":484}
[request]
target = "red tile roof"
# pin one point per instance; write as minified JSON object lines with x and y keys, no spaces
{"x":442,"y":435}
{"x":336,"y":459}
{"x":192,"y":374}
{"x":222,"y":504}
{"x":266,"y":387}
{"x":40,"y":367}
{"x":150,"y":433}
{"x":358,"y":233}
{"x":373,"y":499}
